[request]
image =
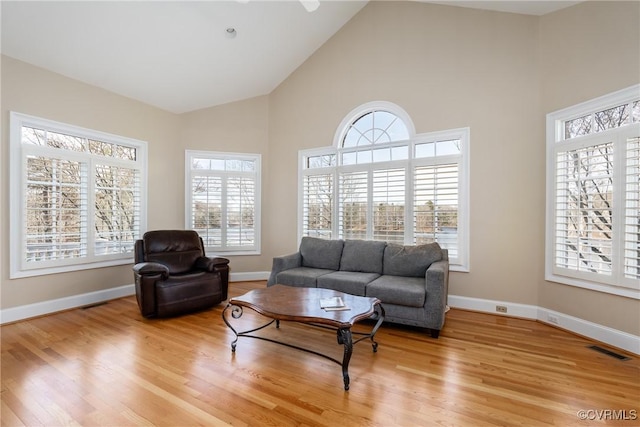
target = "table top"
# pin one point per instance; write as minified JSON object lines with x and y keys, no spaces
{"x":298,"y":304}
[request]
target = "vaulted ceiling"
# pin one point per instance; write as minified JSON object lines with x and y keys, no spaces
{"x":182,"y":55}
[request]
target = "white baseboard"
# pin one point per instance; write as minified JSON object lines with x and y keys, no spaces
{"x":582,"y":327}
{"x":604,"y":334}
{"x":247,"y":277}
{"x":591,"y":330}
{"x":489,"y":306}
{"x":22,"y":312}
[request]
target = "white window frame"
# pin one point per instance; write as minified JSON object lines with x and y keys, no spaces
{"x":19,"y":267}
{"x":256,"y":175}
{"x":461,"y":262}
{"x":615,"y":283}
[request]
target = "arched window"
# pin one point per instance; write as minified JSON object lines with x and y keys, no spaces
{"x":374,"y":132}
{"x":381,"y":181}
{"x":375,"y":127}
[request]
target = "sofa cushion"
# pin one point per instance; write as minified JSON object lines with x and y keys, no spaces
{"x":321,"y":253}
{"x":301,"y":276}
{"x":346,"y":281}
{"x":400,"y":290}
{"x":410,"y":261}
{"x":363,"y":256}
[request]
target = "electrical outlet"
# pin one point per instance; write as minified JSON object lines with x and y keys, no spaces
{"x":552,"y":319}
{"x":501,"y":308}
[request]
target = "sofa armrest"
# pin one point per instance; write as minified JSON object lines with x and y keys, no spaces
{"x":437,"y":282}
{"x":283,"y":263}
{"x":151,"y":269}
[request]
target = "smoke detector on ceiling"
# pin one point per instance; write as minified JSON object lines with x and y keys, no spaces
{"x":310,"y":5}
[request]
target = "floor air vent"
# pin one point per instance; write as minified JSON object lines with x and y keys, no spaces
{"x":609,"y":352}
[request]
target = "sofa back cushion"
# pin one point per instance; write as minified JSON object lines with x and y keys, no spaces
{"x":363,"y":256}
{"x":410,"y":261}
{"x":321,"y":253}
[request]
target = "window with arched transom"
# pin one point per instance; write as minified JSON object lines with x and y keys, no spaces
{"x":382,"y":181}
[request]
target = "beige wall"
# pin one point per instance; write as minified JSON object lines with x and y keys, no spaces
{"x":240,"y":127}
{"x":587,"y":51}
{"x":448,"y":67}
{"x":31,"y":90}
{"x":237,"y":127}
{"x":497,"y":73}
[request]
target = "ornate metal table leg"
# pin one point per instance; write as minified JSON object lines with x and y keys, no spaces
{"x":236,"y":312}
{"x":344,"y":337}
{"x":379,"y":310}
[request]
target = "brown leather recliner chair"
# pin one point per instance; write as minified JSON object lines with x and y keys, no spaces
{"x":173,"y":276}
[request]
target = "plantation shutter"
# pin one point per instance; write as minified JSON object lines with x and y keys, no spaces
{"x":55,"y":217}
{"x":117,"y":208}
{"x":240,"y":203}
{"x":79,"y":198}
{"x":353,"y":194}
{"x":389,"y":205}
{"x":206,"y":208}
{"x":583,"y":214}
{"x":632,"y":211}
{"x":435,"y":211}
{"x":593,"y":194}
{"x":317,"y":205}
{"x":223,"y":200}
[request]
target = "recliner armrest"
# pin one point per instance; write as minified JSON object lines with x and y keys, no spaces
{"x":210,"y":264}
{"x":150,"y":269}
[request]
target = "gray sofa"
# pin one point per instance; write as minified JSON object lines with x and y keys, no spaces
{"x":411,"y":281}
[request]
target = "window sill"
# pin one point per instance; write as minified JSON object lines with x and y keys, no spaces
{"x":17,"y":273}
{"x":216,"y":253}
{"x":593,"y":286}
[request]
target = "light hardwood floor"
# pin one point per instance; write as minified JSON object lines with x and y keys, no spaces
{"x":107,"y":366}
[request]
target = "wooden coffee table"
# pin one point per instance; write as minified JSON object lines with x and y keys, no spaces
{"x":288,"y":303}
